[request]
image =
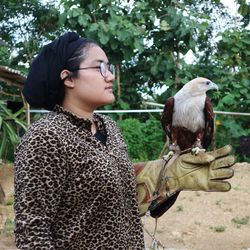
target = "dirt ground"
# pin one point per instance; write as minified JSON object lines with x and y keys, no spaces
{"x":208,"y":221}
{"x":197,"y":221}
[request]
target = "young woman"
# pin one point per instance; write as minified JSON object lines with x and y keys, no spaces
{"x":74,"y":184}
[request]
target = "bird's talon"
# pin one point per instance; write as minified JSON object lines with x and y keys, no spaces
{"x":197,"y":150}
{"x":168,"y":156}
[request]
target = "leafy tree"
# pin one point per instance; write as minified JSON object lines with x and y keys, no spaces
{"x":244,"y":10}
{"x":233,"y":69}
{"x":233,"y":74}
{"x":26,"y":26}
{"x":147,"y":41}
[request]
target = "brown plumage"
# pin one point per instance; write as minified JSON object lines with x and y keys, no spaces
{"x":188,"y":117}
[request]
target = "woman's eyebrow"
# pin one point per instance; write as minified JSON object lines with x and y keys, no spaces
{"x":100,"y":61}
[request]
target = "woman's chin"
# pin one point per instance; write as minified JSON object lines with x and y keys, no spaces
{"x":107,"y":101}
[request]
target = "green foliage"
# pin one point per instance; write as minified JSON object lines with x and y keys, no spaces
{"x":9,"y":202}
{"x":144,"y":139}
{"x":107,"y":22}
{"x":9,"y":227}
{"x":234,"y":70}
{"x":244,"y":10}
{"x":231,"y":70}
{"x":132,"y":132}
{"x":146,"y":40}
{"x":218,"y":229}
{"x":25,"y":26}
{"x":179,"y":208}
{"x":240,"y":221}
{"x":11,"y":127}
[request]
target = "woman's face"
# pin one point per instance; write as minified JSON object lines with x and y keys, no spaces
{"x":91,"y":89}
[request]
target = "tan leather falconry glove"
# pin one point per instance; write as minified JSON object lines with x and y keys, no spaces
{"x":158,"y":184}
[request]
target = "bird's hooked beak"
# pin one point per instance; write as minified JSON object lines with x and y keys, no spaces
{"x":214,"y":86}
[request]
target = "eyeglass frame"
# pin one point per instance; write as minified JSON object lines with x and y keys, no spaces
{"x":111,"y":69}
{"x":103,"y":68}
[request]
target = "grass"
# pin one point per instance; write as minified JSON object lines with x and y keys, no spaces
{"x":218,"y":202}
{"x":8,"y":226}
{"x":9,"y":202}
{"x":179,"y":208}
{"x":240,"y":221}
{"x":218,"y":229}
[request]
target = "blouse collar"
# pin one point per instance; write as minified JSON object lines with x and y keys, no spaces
{"x":79,"y":121}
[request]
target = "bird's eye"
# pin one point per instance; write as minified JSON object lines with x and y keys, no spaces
{"x":207,"y":82}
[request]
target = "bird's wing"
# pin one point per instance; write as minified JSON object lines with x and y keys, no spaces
{"x":166,"y":118}
{"x":209,"y":123}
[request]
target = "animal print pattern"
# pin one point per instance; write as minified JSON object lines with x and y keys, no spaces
{"x":72,"y":191}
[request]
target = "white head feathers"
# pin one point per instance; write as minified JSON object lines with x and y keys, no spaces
{"x":196,"y":87}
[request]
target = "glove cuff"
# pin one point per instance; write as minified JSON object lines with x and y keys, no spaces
{"x":147,"y":178}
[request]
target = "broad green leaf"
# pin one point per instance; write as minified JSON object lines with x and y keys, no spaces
{"x":82,"y":20}
{"x":228,"y":99}
{"x":104,"y":38}
{"x":75,"y":12}
{"x":93,"y":27}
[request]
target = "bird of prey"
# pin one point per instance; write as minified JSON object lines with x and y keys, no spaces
{"x":188,"y":117}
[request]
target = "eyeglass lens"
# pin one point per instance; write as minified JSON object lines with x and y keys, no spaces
{"x":105,"y":68}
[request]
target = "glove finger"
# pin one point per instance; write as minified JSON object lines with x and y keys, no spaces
{"x":221,"y":151}
{"x":219,"y":186}
{"x":224,"y":162}
{"x":201,"y":158}
{"x":222,"y":174}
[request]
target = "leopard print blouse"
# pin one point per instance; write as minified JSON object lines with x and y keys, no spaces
{"x":71,"y":190}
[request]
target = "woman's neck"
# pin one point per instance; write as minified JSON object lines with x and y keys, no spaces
{"x":78,"y":111}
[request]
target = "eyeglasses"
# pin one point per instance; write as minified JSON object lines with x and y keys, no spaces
{"x":104,"y":68}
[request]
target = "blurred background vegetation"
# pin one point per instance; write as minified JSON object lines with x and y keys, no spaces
{"x":149,"y":42}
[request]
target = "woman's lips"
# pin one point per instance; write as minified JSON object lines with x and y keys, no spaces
{"x":109,"y":88}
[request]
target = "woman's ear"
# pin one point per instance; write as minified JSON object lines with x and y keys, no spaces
{"x":67,"y":79}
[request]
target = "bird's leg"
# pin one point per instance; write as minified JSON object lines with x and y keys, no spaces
{"x":197,"y":147}
{"x":173,"y":147}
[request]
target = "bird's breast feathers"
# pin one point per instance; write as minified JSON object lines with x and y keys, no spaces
{"x":189,"y":113}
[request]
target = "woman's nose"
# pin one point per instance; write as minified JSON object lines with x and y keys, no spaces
{"x":110,"y":77}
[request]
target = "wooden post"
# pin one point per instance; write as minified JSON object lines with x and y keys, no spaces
{"x":27,"y":114}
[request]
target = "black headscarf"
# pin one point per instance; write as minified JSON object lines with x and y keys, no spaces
{"x":44,"y":87}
